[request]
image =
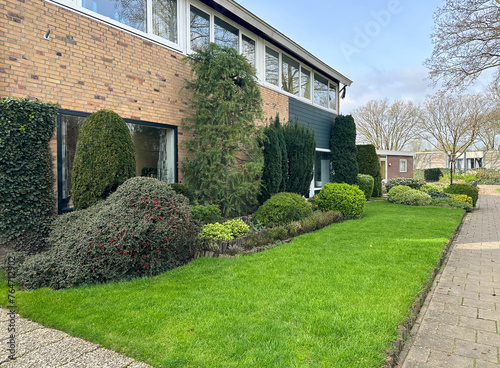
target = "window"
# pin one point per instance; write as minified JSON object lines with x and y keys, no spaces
{"x":165,"y":19}
{"x":129,"y":12}
{"x":332,"y":96}
{"x":225,"y":34}
{"x":322,"y":169}
{"x":248,"y":49}
{"x":320,"y":90}
{"x":155,"y":152}
{"x":199,"y":29}
{"x":402,"y":166}
{"x":305,"y":83}
{"x":290,"y":75}
{"x":272,"y":66}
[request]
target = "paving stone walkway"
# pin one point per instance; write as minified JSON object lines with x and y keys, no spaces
{"x":39,"y":347}
{"x":458,"y":326}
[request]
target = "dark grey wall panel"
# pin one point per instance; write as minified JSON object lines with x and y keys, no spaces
{"x":321,"y":121}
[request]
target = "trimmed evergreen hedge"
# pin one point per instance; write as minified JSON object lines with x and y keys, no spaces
{"x":365,"y":183}
{"x":272,"y":172}
{"x":368,"y":164}
{"x":343,"y":143}
{"x":432,"y":174}
{"x":27,"y":200}
{"x":104,"y":158}
{"x":467,"y":189}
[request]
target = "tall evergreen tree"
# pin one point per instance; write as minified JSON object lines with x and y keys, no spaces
{"x":343,"y":143}
{"x":368,"y":164}
{"x":278,"y":128}
{"x":272,"y":173}
{"x":224,"y":165}
{"x":301,"y":151}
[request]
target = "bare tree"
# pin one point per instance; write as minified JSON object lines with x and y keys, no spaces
{"x":387,"y":126}
{"x":451,"y":123}
{"x":466,"y":42}
{"x":489,"y":132}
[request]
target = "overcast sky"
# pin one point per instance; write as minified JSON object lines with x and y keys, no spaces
{"x":380,"y":45}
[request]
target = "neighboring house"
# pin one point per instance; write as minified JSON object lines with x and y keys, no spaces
{"x":127,"y":56}
{"x":395,"y":164}
{"x":468,"y":160}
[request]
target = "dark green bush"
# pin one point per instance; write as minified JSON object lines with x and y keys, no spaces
{"x":301,"y":151}
{"x":409,"y":182}
{"x":467,"y":189}
{"x":343,"y":143}
{"x":272,"y":172}
{"x":283,"y":208}
{"x":365,"y":183}
{"x":27,"y":199}
{"x":452,"y":203}
{"x":344,"y":198}
{"x":403,"y":194}
{"x":207,"y":214}
{"x":432,"y":174}
{"x":184,"y":190}
{"x":104,"y":158}
{"x":368,"y":164}
{"x":142,"y":229}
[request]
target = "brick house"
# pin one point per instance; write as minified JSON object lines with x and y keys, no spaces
{"x":87,"y":55}
{"x":395,"y":164}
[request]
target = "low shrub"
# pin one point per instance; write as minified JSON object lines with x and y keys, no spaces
{"x":142,"y":229}
{"x":365,"y":183}
{"x":207,"y":214}
{"x":226,"y":231}
{"x":488,"y":176}
{"x":435,"y":195}
{"x":459,"y":178}
{"x":432,"y":174}
{"x":405,"y":195}
{"x":466,"y":189}
{"x":412,"y":183}
{"x":426,"y":188}
{"x":283,"y":208}
{"x":462,"y":198}
{"x":319,"y":220}
{"x":451,"y":203}
{"x":184,"y":190}
{"x":344,"y":198}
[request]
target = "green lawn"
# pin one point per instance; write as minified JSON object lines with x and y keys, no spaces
{"x":332,"y":298}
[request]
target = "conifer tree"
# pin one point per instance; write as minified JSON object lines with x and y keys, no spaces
{"x":301,"y":151}
{"x":368,"y":164}
{"x":278,"y":128}
{"x":272,"y":172}
{"x":224,"y":165}
{"x":343,"y":143}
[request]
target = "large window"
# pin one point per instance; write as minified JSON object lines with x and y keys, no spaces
{"x":165,"y":19}
{"x":290,"y":77}
{"x":225,"y":34}
{"x":305,"y":83}
{"x":129,"y":12}
{"x":199,"y":29}
{"x":155,"y":151}
{"x":320,"y":90}
{"x":272,"y":66}
{"x":322,"y":169}
{"x":248,"y":49}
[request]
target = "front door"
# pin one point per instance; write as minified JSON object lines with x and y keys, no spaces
{"x":383,"y":172}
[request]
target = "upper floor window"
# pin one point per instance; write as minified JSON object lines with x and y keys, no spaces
{"x":129,"y":12}
{"x":305,"y":83}
{"x":272,"y":66}
{"x":290,"y":75}
{"x":165,"y":19}
{"x":199,"y":28}
{"x":248,"y":49}
{"x":320,"y":90}
{"x":225,"y":34}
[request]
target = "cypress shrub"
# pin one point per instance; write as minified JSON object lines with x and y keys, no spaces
{"x":344,"y":198}
{"x":432,"y":174}
{"x":104,"y":158}
{"x":365,"y":183}
{"x":27,"y":200}
{"x":272,"y":172}
{"x":283,"y":208}
{"x":278,"y":128}
{"x":301,"y":152}
{"x":368,"y":164}
{"x":343,"y":143}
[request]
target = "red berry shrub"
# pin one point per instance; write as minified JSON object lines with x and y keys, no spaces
{"x":142,"y":229}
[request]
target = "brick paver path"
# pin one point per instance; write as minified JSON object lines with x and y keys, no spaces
{"x":459,"y":324}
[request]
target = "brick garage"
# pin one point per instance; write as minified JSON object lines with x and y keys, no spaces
{"x":395,"y":164}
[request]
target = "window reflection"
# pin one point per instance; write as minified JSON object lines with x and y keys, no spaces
{"x":165,"y":19}
{"x":200,"y":29}
{"x":290,"y":75}
{"x":225,"y":34}
{"x":320,"y":90}
{"x":248,"y":49}
{"x":129,"y":12}
{"x":272,"y":66}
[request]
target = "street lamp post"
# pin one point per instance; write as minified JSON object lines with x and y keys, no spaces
{"x":452,"y":160}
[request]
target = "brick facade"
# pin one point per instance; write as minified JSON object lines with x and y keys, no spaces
{"x":394,"y":168}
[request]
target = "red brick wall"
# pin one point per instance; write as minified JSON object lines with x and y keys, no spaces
{"x":393,"y":171}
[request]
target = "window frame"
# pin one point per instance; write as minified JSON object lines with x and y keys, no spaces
{"x":59,"y":165}
{"x":403,"y":162}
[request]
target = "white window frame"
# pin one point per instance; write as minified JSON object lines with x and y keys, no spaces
{"x":403,"y":162}
{"x":312,"y":187}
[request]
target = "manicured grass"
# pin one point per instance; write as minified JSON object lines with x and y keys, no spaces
{"x":332,"y":298}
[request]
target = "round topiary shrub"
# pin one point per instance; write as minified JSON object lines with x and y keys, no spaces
{"x":344,"y":198}
{"x":142,"y":229}
{"x":365,"y":183}
{"x":104,"y":158}
{"x":283,"y":208}
{"x":466,"y":189}
{"x":405,"y":195}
